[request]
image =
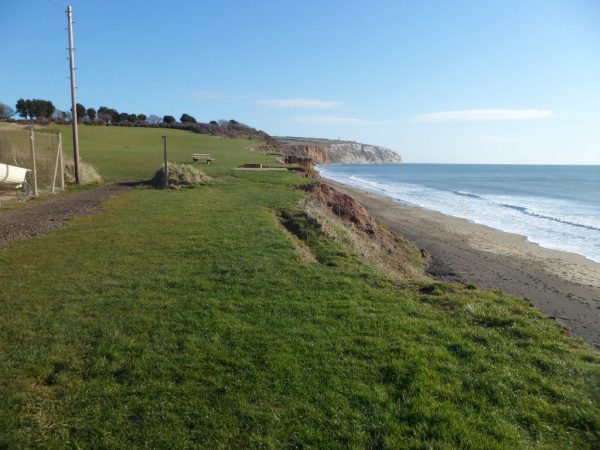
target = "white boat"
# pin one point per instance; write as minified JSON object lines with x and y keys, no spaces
{"x":12,"y":175}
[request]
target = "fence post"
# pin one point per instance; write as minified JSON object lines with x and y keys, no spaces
{"x":55,"y":167}
{"x":166,"y":166}
{"x":35,"y":187}
{"x":62,"y":164}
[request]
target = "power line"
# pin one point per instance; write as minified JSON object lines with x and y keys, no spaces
{"x":56,"y":4}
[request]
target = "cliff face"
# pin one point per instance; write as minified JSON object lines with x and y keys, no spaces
{"x":355,"y":153}
{"x":316,"y":153}
{"x":323,"y":151}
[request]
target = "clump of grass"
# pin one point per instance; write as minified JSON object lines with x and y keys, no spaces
{"x":181,"y":176}
{"x":87,"y":173}
{"x":437,"y":288}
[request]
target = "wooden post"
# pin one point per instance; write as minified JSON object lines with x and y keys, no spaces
{"x":73,"y":99}
{"x":56,"y":164}
{"x":35,"y":187}
{"x":166,"y":166}
{"x":62,"y":164}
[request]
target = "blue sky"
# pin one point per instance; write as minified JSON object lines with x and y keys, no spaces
{"x":438,"y":81}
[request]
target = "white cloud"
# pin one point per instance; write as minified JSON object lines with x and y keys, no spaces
{"x":338,"y":120}
{"x":329,"y":120}
{"x":213,"y":95}
{"x":479,"y":115}
{"x":301,"y":103}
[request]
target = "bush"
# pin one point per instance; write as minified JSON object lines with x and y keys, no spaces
{"x":186,"y":118}
{"x":87,"y":173}
{"x":181,"y":176}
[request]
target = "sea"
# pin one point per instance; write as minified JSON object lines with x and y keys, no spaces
{"x":557,"y":207}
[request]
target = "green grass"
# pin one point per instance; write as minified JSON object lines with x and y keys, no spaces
{"x":124,"y":153}
{"x":185,"y":319}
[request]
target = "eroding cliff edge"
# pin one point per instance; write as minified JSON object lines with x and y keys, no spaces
{"x":324,"y":151}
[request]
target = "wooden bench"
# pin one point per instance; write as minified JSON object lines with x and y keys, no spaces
{"x":202,"y":157}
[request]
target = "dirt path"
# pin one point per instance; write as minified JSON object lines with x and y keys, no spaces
{"x":41,"y":218}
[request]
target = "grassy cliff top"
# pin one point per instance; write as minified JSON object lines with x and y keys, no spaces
{"x":188,"y":318}
{"x":311,"y":141}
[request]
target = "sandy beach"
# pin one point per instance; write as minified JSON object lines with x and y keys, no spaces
{"x":563,"y":285}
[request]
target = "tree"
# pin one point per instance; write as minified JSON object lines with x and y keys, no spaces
{"x":107,"y":115}
{"x":41,"y":109}
{"x":186,"y":118}
{"x":6,"y":112}
{"x":121,"y":117}
{"x":59,"y":116}
{"x":45,"y":109}
{"x":153,"y":119}
{"x":80,"y":112}
{"x":23,"y":107}
{"x":214,"y":122}
{"x":36,"y":108}
{"x":169,"y":119}
{"x":91,"y":113}
{"x":141,"y":117}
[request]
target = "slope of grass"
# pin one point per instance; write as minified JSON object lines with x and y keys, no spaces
{"x":185,"y":319}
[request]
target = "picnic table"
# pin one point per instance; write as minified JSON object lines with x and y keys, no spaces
{"x":202,"y":157}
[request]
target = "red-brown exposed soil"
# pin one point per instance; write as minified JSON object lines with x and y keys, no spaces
{"x":306,"y":163}
{"x":342,"y":205}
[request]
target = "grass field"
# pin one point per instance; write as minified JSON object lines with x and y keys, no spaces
{"x":183,"y":319}
{"x":121,"y":153}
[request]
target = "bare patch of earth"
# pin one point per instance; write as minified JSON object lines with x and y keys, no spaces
{"x":42,"y":218}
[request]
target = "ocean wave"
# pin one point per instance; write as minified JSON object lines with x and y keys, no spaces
{"x":527,"y":211}
{"x":467,"y":194}
{"x":373,"y":184}
{"x":554,"y":223}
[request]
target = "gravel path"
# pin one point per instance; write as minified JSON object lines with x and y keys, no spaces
{"x":41,"y":218}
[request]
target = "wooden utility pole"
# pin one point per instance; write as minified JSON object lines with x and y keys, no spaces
{"x":73,"y":99}
{"x":166,"y":167}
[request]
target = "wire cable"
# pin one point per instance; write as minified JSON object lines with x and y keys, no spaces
{"x":56,"y":4}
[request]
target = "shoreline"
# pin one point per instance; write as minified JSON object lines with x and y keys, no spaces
{"x":563,"y":285}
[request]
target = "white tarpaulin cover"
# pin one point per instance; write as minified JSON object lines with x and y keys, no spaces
{"x":12,"y":174}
